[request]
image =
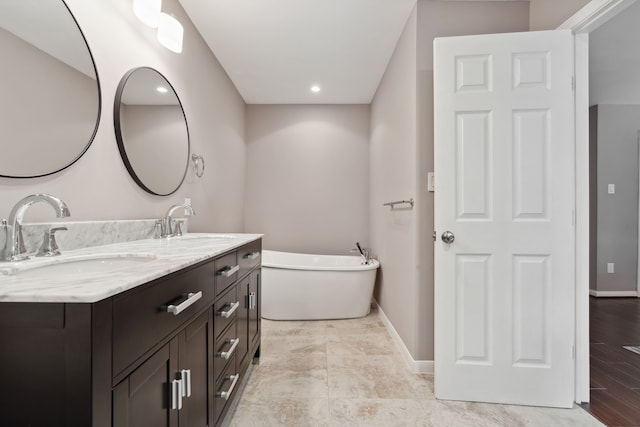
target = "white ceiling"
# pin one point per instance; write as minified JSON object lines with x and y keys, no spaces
{"x":275,"y":50}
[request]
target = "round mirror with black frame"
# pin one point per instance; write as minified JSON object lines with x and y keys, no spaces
{"x":151,"y":130}
{"x":50,"y":102}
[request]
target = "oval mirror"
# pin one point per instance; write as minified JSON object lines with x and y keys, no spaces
{"x":50,"y":102}
{"x":151,"y":130}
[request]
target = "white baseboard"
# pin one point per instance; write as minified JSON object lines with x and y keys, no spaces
{"x":595,"y":293}
{"x":416,"y":366}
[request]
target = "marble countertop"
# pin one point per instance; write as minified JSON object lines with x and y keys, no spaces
{"x":31,"y":281}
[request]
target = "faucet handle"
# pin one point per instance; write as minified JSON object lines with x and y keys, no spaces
{"x":177,"y":228}
{"x":49,"y":245}
{"x":5,"y":252}
{"x":158,"y":229}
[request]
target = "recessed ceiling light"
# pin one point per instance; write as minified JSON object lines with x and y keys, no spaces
{"x":162,"y":89}
{"x":315,"y":89}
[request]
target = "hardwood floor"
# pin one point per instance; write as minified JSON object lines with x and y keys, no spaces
{"x":615,"y":371}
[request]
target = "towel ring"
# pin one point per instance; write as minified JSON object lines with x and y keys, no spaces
{"x":198,"y":164}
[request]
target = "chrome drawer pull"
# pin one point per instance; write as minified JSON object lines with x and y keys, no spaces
{"x":186,"y":382}
{"x":251,"y":255}
{"x":176,"y":394}
{"x":227,"y":314}
{"x":226,"y":394}
{"x":191,"y":298}
{"x":252,"y":300}
{"x":227,"y":354}
{"x":229,"y":271}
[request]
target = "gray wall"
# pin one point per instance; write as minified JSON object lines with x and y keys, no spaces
{"x":614,"y":59}
{"x":402,"y":155}
{"x":307,"y":176}
{"x":98,"y":185}
{"x":614,"y":121}
{"x":462,"y":18}
{"x":393,"y":177}
{"x":549,"y":14}
{"x":617,"y":214}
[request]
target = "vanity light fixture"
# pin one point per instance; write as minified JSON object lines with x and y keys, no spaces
{"x":170,"y":30}
{"x":315,"y":89}
{"x":170,"y":33}
{"x":148,"y":11}
{"x":162,"y":89}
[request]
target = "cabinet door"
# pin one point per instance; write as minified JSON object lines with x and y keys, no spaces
{"x":143,"y":399}
{"x":195,"y":348}
{"x":254,"y":310}
{"x":243,"y":320}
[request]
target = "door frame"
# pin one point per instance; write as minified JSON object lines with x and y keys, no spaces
{"x":587,"y":19}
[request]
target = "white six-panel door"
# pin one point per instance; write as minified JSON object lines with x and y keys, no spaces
{"x":504,"y":165}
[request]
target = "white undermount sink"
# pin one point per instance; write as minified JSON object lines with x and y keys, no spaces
{"x":89,"y":264}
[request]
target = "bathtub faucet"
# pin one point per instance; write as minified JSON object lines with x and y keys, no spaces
{"x":364,"y":253}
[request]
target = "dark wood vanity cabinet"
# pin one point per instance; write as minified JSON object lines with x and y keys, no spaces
{"x":126,"y":361}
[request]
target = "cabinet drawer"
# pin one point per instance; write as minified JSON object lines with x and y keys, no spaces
{"x":249,"y":256}
{"x":225,"y":389}
{"x":225,"y":349}
{"x":226,"y":271}
{"x":146,"y":315}
{"x":225,"y":311}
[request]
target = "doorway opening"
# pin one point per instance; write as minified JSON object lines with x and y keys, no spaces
{"x":607,"y":181}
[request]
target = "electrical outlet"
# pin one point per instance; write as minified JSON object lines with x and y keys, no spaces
{"x":610,"y":267}
{"x":187,"y":201}
{"x":611,"y":189}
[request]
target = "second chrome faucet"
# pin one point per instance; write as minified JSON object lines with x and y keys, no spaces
{"x":168,"y":226}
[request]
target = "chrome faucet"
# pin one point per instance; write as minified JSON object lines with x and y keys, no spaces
{"x":14,"y":249}
{"x":168,"y":227}
{"x":364,"y":253}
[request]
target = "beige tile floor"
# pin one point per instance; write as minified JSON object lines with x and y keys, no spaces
{"x":350,"y":373}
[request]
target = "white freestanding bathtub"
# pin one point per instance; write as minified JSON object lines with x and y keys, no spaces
{"x":312,"y":287}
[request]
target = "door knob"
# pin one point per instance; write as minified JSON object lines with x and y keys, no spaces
{"x":448,"y":237}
